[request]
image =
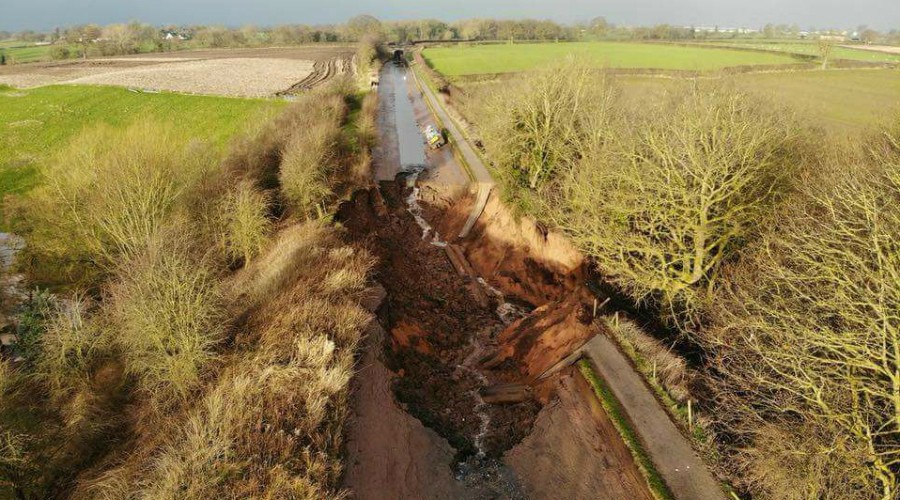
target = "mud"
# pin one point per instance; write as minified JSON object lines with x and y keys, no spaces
{"x":574,"y":451}
{"x":420,"y":428}
{"x":434,"y":329}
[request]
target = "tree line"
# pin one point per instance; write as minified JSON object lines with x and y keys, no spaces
{"x":772,"y":248}
{"x":136,"y":37}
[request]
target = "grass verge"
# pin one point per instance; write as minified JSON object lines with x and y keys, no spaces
{"x":620,"y":420}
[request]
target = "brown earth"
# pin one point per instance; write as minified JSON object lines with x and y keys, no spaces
{"x":429,"y":304}
{"x":414,"y":429}
{"x":515,"y":254}
{"x":235,"y":72}
{"x":574,"y":451}
{"x":390,"y":454}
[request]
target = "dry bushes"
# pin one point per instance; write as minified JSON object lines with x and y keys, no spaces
{"x":245,"y":222}
{"x":168,"y":315}
{"x":311,"y":154}
{"x":807,"y":339}
{"x":69,"y":347}
{"x":108,"y":193}
{"x":271,"y":425}
{"x":234,"y":389}
{"x":545,"y":123}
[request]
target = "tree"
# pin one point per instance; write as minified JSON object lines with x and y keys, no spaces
{"x":869,"y":36}
{"x":825,"y":46}
{"x":662,"y":208}
{"x":540,"y":126}
{"x":364,"y":25}
{"x":599,"y":26}
{"x":84,"y":36}
{"x":808,"y":338}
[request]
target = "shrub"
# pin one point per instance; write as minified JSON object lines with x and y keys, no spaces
{"x":245,"y":222}
{"x":270,"y":426}
{"x":108,"y":193}
{"x":68,"y":347}
{"x":310,"y":154}
{"x":168,"y":316}
{"x":306,"y":167}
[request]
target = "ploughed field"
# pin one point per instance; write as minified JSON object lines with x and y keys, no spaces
{"x":229,"y":72}
{"x":463,"y":60}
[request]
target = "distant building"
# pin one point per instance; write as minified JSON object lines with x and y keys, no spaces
{"x":174,"y":35}
{"x":716,"y":29}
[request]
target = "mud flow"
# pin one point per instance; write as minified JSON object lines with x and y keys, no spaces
{"x":437,"y":330}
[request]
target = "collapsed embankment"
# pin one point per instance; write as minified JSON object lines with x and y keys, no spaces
{"x":463,"y":355}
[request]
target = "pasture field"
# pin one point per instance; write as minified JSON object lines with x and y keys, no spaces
{"x":842,"y":101}
{"x":486,"y":59}
{"x":25,"y":52}
{"x":810,"y":48}
{"x":35,"y":123}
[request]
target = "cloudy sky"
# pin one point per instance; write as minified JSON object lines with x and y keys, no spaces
{"x":46,"y":14}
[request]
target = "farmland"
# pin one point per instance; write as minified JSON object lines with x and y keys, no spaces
{"x":809,"y":48}
{"x":21,"y":52}
{"x":841,"y":101}
{"x":235,"y":72}
{"x":487,"y":59}
{"x":36,"y":122}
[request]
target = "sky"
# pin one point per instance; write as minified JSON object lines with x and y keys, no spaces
{"x":16,"y":15}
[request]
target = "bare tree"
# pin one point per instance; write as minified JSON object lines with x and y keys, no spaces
{"x":544,"y":123}
{"x":808,"y":339}
{"x":661,"y":208}
{"x":825,"y":46}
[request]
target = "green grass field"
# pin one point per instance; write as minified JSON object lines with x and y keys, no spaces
{"x":842,"y":101}
{"x":810,"y":48}
{"x":22,"y":52}
{"x":486,"y":59}
{"x":35,"y":123}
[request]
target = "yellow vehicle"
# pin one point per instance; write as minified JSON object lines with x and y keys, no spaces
{"x":434,"y":138}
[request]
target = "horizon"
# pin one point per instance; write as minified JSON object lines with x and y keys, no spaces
{"x":46,"y":15}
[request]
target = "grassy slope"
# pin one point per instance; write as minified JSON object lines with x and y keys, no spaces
{"x":34,"y":123}
{"x":481,"y":59}
{"x":620,"y":421}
